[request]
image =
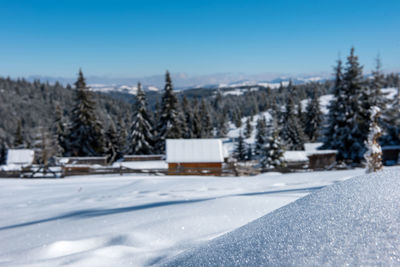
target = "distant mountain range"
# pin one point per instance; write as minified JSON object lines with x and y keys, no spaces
{"x":184,"y":81}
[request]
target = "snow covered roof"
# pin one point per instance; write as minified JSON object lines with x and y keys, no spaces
{"x":312,"y":146}
{"x":194,"y":150}
{"x":295,"y":156}
{"x":354,"y":222}
{"x":312,"y":149}
{"x":20,"y":156}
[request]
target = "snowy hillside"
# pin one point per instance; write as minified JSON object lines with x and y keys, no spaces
{"x":351,"y":223}
{"x":135,"y":220}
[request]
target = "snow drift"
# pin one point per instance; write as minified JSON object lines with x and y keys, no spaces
{"x":356,"y":222}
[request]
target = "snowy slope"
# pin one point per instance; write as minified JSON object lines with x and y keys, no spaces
{"x":351,"y":223}
{"x":135,"y":220}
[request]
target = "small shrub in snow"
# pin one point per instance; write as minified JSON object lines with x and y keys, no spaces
{"x":373,"y":156}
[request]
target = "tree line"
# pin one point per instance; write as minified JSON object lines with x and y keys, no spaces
{"x":80,"y":122}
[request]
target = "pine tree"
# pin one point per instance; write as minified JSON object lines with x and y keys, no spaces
{"x":111,"y":147}
{"x":373,"y":155}
{"x":86,"y":133}
{"x":223,"y":125}
{"x":273,"y":150}
{"x":3,"y":151}
{"x":353,"y":135}
{"x":377,"y":98}
{"x":240,"y":149}
{"x":292,"y":133}
{"x":140,"y":138}
{"x":391,"y":121}
{"x":19,"y":138}
{"x":313,"y":117}
{"x":197,"y":124}
{"x":188,"y":117}
{"x":336,"y":115}
{"x":122,"y":133}
{"x":248,"y":129}
{"x":60,"y":131}
{"x":261,"y":136}
{"x":206,"y":123}
{"x":169,"y":125}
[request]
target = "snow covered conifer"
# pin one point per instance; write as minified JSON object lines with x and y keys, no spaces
{"x":248,"y":129}
{"x":313,"y":117}
{"x":60,"y":131}
{"x":3,"y":151}
{"x":273,"y":150}
{"x":353,"y":135}
{"x":206,"y":124}
{"x":122,"y":134}
{"x":373,"y":156}
{"x":169,"y":125}
{"x":292,"y":133}
{"x":19,"y":138}
{"x":86,"y":133}
{"x":111,"y":147}
{"x":336,"y":115}
{"x":240,"y":149}
{"x":261,"y":136}
{"x":140,"y":137}
{"x":188,"y":117}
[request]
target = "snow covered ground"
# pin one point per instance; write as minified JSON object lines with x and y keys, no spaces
{"x":353,"y":223}
{"x":135,"y":220}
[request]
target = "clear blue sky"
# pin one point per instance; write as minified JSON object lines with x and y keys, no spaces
{"x":137,"y":38}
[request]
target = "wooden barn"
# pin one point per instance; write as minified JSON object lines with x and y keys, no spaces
{"x":194,"y":156}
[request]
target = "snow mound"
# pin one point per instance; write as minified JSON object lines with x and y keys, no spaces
{"x":356,"y":222}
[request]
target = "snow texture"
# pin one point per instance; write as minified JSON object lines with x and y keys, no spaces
{"x":194,"y":150}
{"x":135,"y":220}
{"x":20,"y":156}
{"x":355,"y":222}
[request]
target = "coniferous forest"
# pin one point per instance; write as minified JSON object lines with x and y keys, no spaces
{"x":79,"y":122}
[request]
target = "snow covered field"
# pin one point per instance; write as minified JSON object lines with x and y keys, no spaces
{"x":135,"y":220}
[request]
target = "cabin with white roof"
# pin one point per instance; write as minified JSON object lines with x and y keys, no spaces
{"x":20,"y":157}
{"x":194,"y":156}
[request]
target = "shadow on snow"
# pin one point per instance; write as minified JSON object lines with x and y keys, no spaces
{"x":89,"y":213}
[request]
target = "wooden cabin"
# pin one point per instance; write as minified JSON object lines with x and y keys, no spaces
{"x":320,"y":159}
{"x":390,"y":155}
{"x":20,"y":157}
{"x":194,"y":156}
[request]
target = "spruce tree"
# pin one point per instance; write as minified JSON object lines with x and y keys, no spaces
{"x":188,"y":117}
{"x":261,"y":136}
{"x":60,"y":131}
{"x":122,"y":133}
{"x":86,"y":133}
{"x":248,"y":129}
{"x":313,"y":117}
{"x":206,"y":123}
{"x":169,"y":125}
{"x":222,"y":126}
{"x":240,"y":149}
{"x":273,"y":149}
{"x":292,"y":133}
{"x":111,"y":147}
{"x":19,"y":138}
{"x":391,"y":121}
{"x":140,"y":137}
{"x":353,"y":135}
{"x":3,"y":151}
{"x":336,"y":115}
